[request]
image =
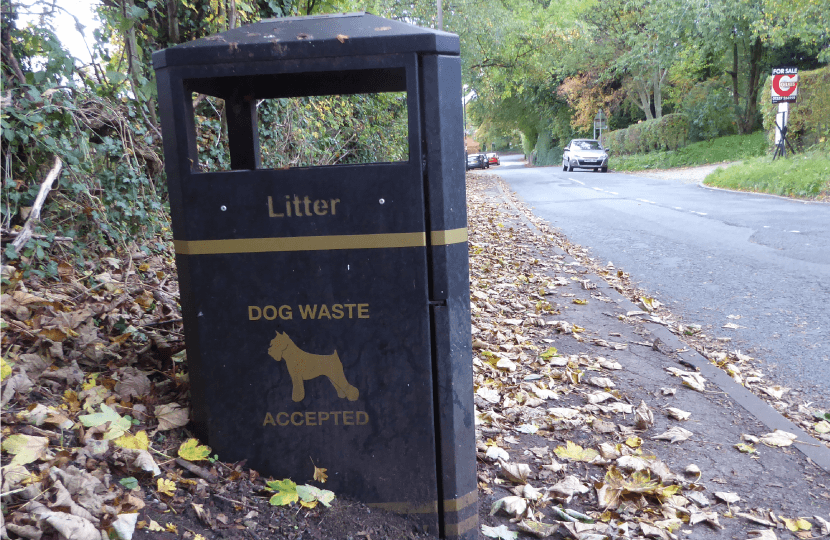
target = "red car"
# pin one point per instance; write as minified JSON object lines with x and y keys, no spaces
{"x":493,"y":158}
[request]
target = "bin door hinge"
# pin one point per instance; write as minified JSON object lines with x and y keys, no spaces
{"x":438,"y":302}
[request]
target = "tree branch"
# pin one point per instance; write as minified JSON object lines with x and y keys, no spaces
{"x":34,"y":217}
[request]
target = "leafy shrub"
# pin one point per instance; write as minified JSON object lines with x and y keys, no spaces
{"x":711,"y":111}
{"x":546,"y":154}
{"x":809,"y":118}
{"x":667,"y":133}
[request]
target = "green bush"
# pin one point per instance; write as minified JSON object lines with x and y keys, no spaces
{"x":722,"y":149}
{"x":710,"y":110}
{"x":669,"y":132}
{"x":809,"y":119}
{"x":546,"y":154}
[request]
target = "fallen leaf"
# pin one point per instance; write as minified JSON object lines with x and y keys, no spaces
{"x":537,"y":528}
{"x":515,"y":472}
{"x":286,"y":492}
{"x":167,"y":487}
{"x":171,"y":416}
{"x":675,"y":434}
{"x":25,"y":448}
{"x":501,"y":532}
{"x":511,"y":505}
{"x":139,"y":441}
{"x":124,"y":525}
{"x":778,"y":438}
{"x":797,"y":524}
{"x":117,"y":425}
{"x":191,"y":450}
{"x":575,"y":452}
{"x":678,"y":414}
{"x":566,"y":488}
{"x":496,"y":453}
{"x":745,"y":448}
{"x":727,"y":496}
{"x":320,"y":474}
{"x":311,"y":495}
{"x":643,"y":417}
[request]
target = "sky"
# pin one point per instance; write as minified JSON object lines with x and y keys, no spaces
{"x":65,"y":24}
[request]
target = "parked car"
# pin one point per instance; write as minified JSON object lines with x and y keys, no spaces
{"x":493,"y":158}
{"x":585,"y":154}
{"x":477,"y":161}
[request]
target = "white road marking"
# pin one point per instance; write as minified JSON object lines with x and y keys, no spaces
{"x":766,"y":226}
{"x":678,"y":208}
{"x":646,"y":201}
{"x":796,"y":231}
{"x":613,"y":193}
{"x":698,"y":213}
{"x":598,"y":189}
{"x":577,"y":181}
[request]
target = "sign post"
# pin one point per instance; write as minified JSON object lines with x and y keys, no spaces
{"x":600,"y":123}
{"x":784,"y":92}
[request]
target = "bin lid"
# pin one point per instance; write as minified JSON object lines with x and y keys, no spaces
{"x":293,"y":38}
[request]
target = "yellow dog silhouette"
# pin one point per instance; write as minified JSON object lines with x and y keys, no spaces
{"x":303,"y":366}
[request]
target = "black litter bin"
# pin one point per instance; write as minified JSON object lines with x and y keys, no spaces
{"x":326,"y":308}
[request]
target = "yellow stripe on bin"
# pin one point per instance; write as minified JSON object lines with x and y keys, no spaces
{"x":300,"y":243}
{"x":458,"y":529}
{"x":453,"y":236}
{"x":454,"y":505}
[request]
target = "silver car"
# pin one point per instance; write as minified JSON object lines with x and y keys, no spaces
{"x":585,"y":154}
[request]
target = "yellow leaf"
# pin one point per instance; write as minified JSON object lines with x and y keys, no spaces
{"x":168,"y":487}
{"x":575,"y":452}
{"x":797,"y":524}
{"x":311,"y":504}
{"x":154,"y":526}
{"x":634,"y":442}
{"x":191,"y":450}
{"x":170,"y":527}
{"x":52,"y":334}
{"x":25,"y":448}
{"x":320,"y":474}
{"x":139,"y":441}
{"x":199,"y":537}
{"x":5,"y":369}
{"x":580,"y":301}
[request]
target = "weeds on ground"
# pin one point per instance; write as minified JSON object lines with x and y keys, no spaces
{"x":731,"y":148}
{"x":800,"y":175}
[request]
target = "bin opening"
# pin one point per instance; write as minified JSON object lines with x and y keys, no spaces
{"x":318,"y":118}
{"x":310,"y":131}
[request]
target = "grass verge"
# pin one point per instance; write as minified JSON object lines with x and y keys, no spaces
{"x":731,"y":148}
{"x":802,"y":175}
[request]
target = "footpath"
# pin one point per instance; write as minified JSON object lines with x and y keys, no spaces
{"x":595,"y":420}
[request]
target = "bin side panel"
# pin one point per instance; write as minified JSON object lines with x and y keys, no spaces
{"x":446,"y":203}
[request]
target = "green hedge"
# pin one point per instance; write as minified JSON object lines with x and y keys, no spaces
{"x":667,"y":133}
{"x":809,"y":118}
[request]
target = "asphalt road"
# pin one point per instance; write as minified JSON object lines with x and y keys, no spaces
{"x":707,"y":255}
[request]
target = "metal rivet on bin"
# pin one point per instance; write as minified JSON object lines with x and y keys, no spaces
{"x":223,"y":208}
{"x":382,"y":201}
